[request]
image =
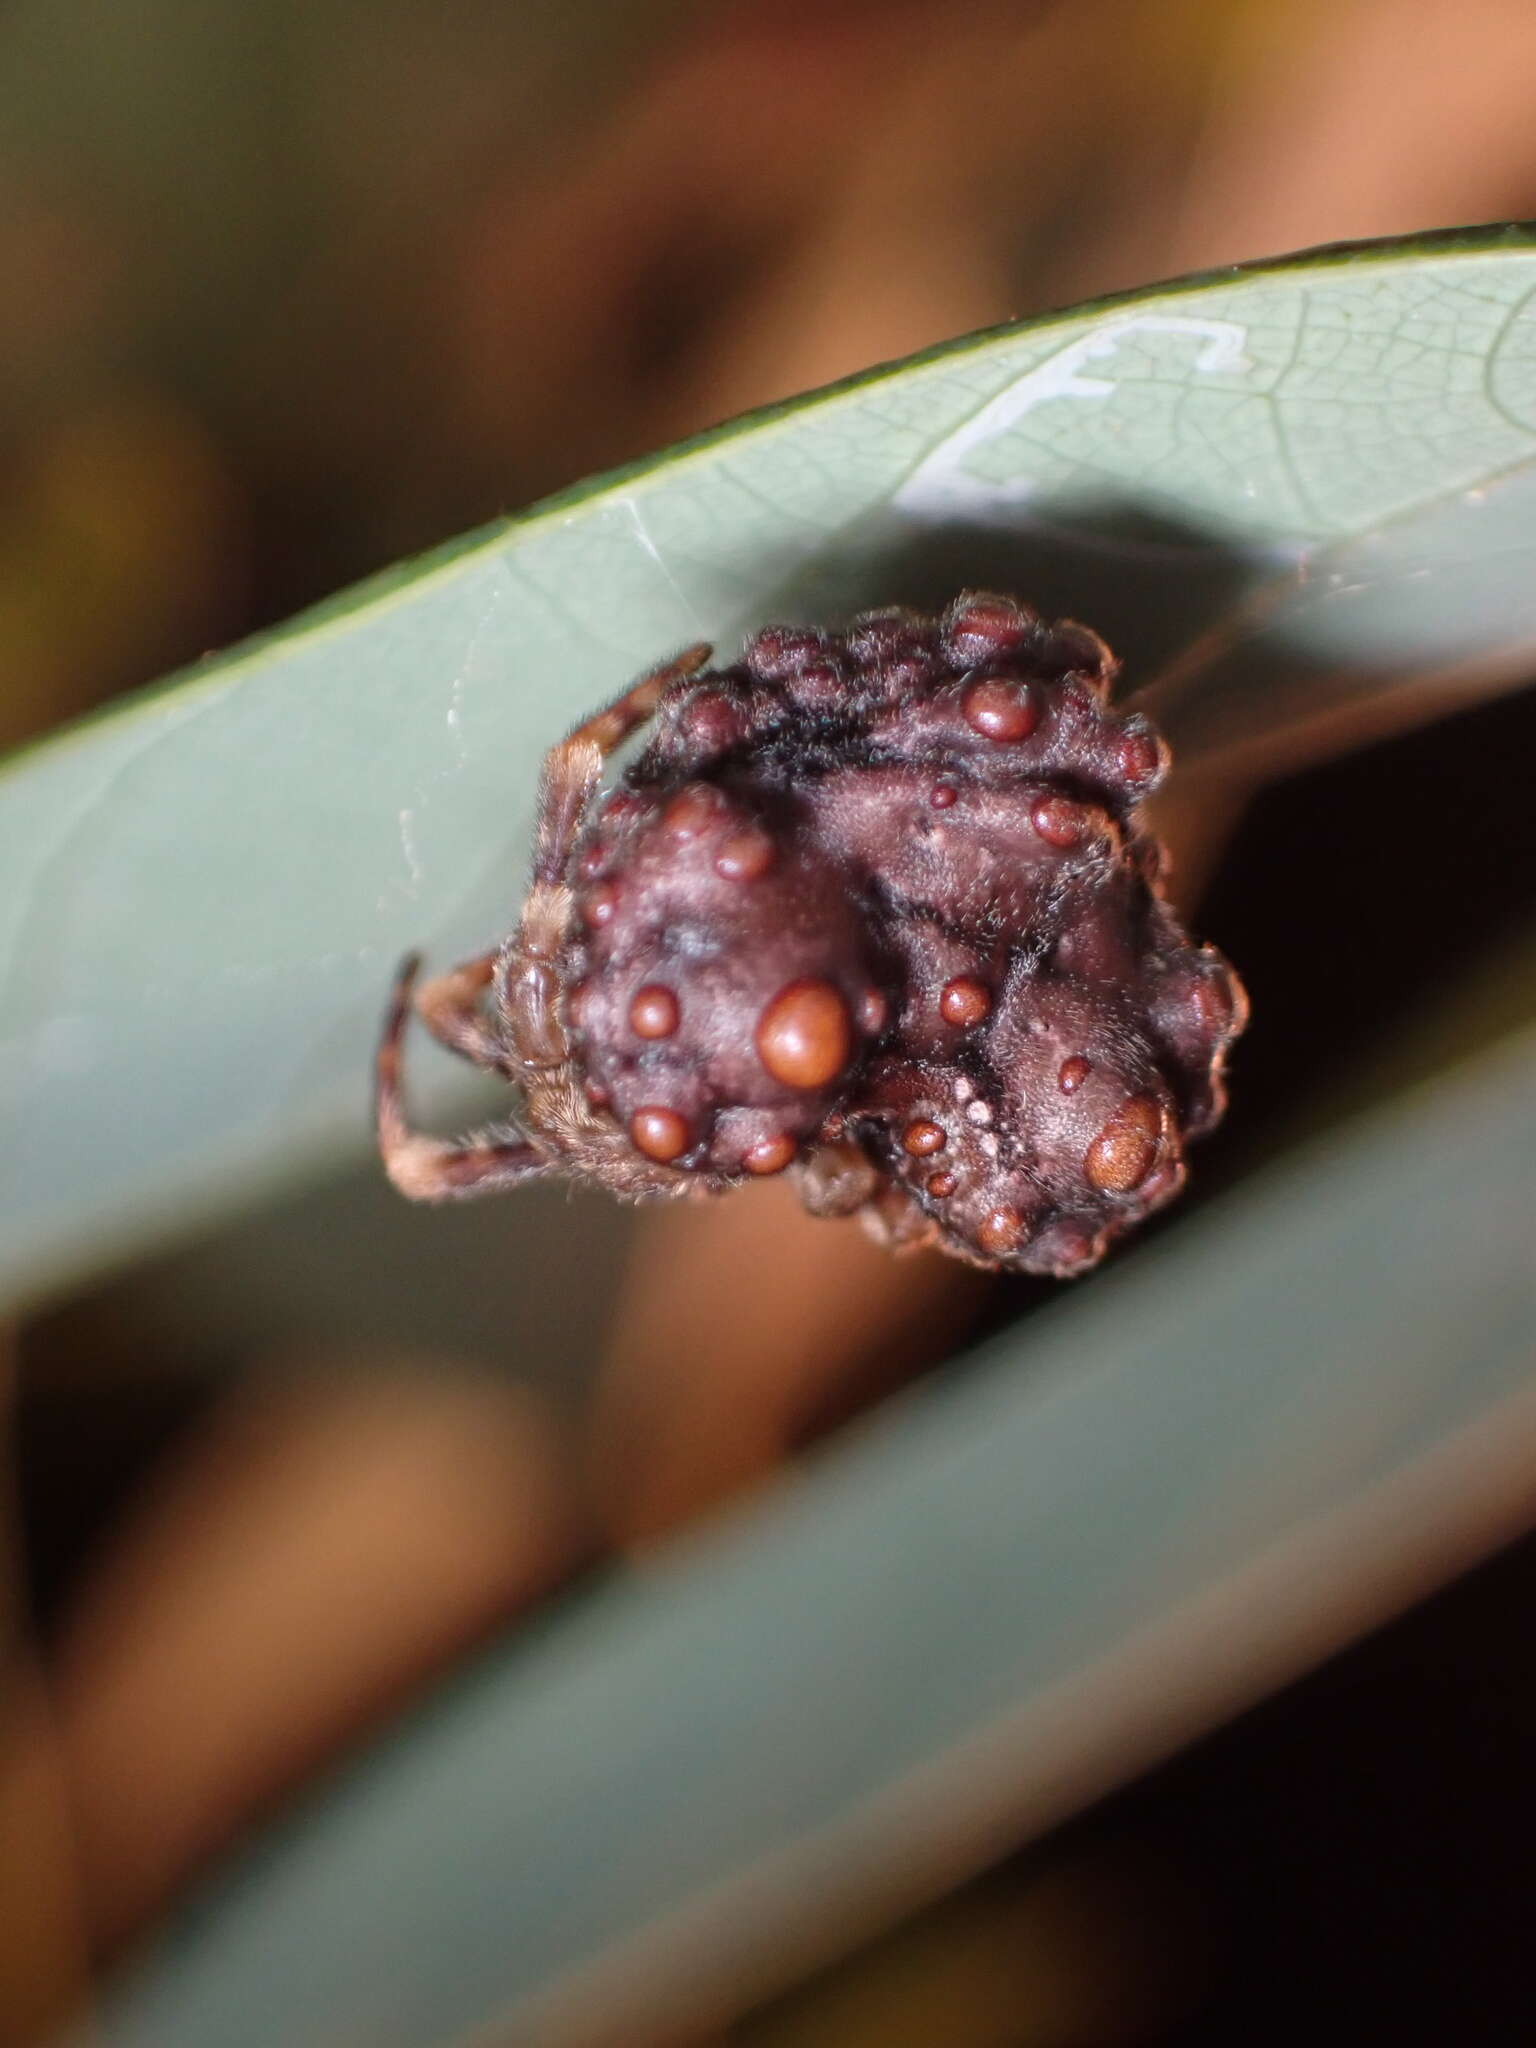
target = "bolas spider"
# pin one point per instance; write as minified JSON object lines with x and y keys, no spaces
{"x":872,"y":908}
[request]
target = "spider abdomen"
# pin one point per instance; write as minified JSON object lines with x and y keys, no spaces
{"x":878,"y":908}
{"x":892,"y":885}
{"x":724,"y":987}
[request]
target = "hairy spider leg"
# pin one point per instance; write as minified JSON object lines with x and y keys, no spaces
{"x":433,"y":1169}
{"x":437,"y":1170}
{"x":573,"y":769}
{"x":449,"y":1006}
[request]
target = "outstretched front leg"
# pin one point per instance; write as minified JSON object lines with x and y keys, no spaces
{"x":574,"y":767}
{"x":450,"y":1007}
{"x":572,"y":771}
{"x":527,"y":1043}
{"x":432,"y":1169}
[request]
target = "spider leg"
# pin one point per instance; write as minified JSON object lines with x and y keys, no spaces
{"x":837,"y":1180}
{"x":573,"y":768}
{"x":431,"y":1169}
{"x":894,"y":1220}
{"x":449,"y":1006}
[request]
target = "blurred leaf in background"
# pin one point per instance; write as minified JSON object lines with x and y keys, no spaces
{"x":1206,"y":403}
{"x":293,"y":292}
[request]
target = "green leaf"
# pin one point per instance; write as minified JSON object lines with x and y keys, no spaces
{"x":1226,"y":1451}
{"x":1324,"y":466}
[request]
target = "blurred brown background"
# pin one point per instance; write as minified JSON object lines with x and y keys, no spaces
{"x":293,"y":290}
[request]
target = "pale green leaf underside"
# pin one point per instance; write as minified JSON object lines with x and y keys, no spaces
{"x":205,"y":892}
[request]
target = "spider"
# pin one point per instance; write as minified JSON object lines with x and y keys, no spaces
{"x":873,"y":908}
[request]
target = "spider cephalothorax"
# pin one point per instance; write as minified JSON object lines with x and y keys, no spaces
{"x":874,"y":908}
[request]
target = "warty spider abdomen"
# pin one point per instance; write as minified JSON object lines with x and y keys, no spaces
{"x":874,"y":908}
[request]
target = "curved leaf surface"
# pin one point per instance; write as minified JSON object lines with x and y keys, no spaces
{"x":1318,"y":472}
